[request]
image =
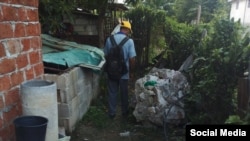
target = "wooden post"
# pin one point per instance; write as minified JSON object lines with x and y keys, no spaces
{"x":198,"y":15}
{"x":243,"y":95}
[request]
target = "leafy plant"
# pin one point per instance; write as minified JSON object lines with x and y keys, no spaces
{"x":214,"y":79}
{"x":180,"y":38}
{"x":51,"y":13}
{"x":234,"y":119}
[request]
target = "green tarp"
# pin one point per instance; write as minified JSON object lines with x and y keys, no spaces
{"x":70,"y":54}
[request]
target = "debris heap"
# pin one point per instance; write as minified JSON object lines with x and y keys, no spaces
{"x":159,"y":97}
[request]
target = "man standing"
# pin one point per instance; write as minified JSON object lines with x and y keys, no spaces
{"x":121,"y":86}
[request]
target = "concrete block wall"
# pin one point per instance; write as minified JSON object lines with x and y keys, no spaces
{"x":20,"y":58}
{"x":85,"y":25}
{"x":76,"y":88}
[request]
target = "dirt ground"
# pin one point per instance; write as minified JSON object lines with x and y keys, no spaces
{"x":117,"y":130}
{"x":120,"y":129}
{"x":96,"y":126}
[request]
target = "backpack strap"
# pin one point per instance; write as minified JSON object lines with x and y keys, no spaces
{"x":124,"y":40}
{"x":112,"y":39}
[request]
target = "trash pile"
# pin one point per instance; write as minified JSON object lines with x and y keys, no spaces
{"x":159,"y":97}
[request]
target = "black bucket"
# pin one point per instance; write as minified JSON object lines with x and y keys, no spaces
{"x":30,"y":128}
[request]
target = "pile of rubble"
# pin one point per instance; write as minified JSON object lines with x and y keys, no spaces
{"x":159,"y":97}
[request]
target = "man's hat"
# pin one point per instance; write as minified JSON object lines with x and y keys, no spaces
{"x":126,"y":24}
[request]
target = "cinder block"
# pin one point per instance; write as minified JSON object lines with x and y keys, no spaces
{"x":65,"y":110}
{"x":63,"y":81}
{"x":51,"y":77}
{"x":70,"y":123}
{"x":66,"y":95}
{"x":83,"y":108}
{"x":76,"y":89}
{"x":79,"y":28}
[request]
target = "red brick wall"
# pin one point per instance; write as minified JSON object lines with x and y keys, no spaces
{"x":20,"y":58}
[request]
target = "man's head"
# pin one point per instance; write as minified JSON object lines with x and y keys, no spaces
{"x":126,"y":27}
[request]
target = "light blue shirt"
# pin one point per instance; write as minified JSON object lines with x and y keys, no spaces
{"x":128,"y":49}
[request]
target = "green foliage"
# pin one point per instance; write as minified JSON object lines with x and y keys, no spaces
{"x":92,"y":4}
{"x":147,"y":25}
{"x":214,"y":79}
{"x":234,"y":119}
{"x":155,"y":4}
{"x":96,"y":116}
{"x":180,"y":39}
{"x":51,"y":13}
{"x":186,"y":11}
{"x":144,"y":18}
{"x":220,"y":53}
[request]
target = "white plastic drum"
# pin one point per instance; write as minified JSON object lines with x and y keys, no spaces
{"x":39,"y":97}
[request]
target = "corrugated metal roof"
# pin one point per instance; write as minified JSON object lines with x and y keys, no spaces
{"x":70,"y":54}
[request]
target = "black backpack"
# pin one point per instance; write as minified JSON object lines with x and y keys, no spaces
{"x":115,"y":63}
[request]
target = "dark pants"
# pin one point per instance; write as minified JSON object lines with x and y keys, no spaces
{"x":115,"y":88}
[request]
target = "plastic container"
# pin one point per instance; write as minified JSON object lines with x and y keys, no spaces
{"x":39,"y":97}
{"x":30,"y":128}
